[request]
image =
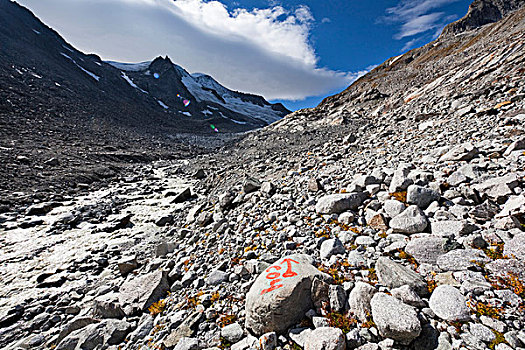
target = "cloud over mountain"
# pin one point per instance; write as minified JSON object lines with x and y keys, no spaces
{"x":417,"y":17}
{"x":264,"y":51}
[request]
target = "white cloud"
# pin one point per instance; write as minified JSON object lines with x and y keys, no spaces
{"x":415,"y":8}
{"x":418,"y":17}
{"x":410,"y":44}
{"x":263,"y":51}
{"x":419,"y":24}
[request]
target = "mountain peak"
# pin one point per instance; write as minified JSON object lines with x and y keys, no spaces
{"x":483,"y":12}
{"x":162,"y":62}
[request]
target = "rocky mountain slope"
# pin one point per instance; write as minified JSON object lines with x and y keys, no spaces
{"x":68,"y":118}
{"x":389,"y":217}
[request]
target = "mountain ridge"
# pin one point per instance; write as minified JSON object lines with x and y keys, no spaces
{"x":482,"y":12}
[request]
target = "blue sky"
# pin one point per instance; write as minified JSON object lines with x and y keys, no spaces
{"x":356,"y":34}
{"x":296,"y":52}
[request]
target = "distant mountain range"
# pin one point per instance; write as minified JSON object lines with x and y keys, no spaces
{"x":197,"y":94}
{"x":41,"y":74}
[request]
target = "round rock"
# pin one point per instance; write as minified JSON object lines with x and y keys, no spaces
{"x":359,"y":300}
{"x":461,"y":259}
{"x":426,"y":249}
{"x":217,"y":277}
{"x":449,"y":304}
{"x":232,"y":332}
{"x":394,"y":275}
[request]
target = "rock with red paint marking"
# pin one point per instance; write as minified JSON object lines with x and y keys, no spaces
{"x":281,"y":295}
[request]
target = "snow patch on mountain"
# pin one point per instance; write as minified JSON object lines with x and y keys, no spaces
{"x":202,"y":86}
{"x":162,"y":104}
{"x":130,"y":82}
{"x":67,"y":48}
{"x":91,"y":74}
{"x":196,"y":90}
{"x":130,"y":67}
{"x":233,"y":120}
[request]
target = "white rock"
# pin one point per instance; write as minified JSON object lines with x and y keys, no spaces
{"x":325,"y":338}
{"x":232,"y":332}
{"x":395,"y":319}
{"x":449,"y":304}
{"x":412,"y":220}
{"x":359,"y":300}
{"x":338,"y":203}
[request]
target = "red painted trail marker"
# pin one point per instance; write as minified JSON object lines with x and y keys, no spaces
{"x":273,"y":276}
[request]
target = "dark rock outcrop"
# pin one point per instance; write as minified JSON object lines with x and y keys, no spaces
{"x":483,"y":12}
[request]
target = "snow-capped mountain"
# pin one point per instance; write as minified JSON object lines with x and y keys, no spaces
{"x":45,"y":77}
{"x":198,"y":95}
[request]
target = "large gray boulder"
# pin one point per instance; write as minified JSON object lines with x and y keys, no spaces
{"x":250,"y":185}
{"x":421,"y":196}
{"x":359,"y":300}
{"x":217,"y":277}
{"x":408,"y":296}
{"x":504,"y":267}
{"x":448,"y":303}
{"x":395,"y":319}
{"x":411,"y":220}
{"x":394,"y":275}
{"x":140,"y":292}
{"x":498,"y":189}
{"x":461,"y":259}
{"x":513,"y":211}
{"x":107,"y":332}
{"x":516,"y":247}
{"x":232,"y":332}
{"x":338,"y":203}
{"x":186,"y":343}
{"x":107,"y":306}
{"x":393,"y":208}
{"x":281,"y":295}
{"x":446,"y":228}
{"x":400,"y":180}
{"x":426,"y":250}
{"x":325,"y":338}
{"x":465,"y":151}
{"x":75,"y":324}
